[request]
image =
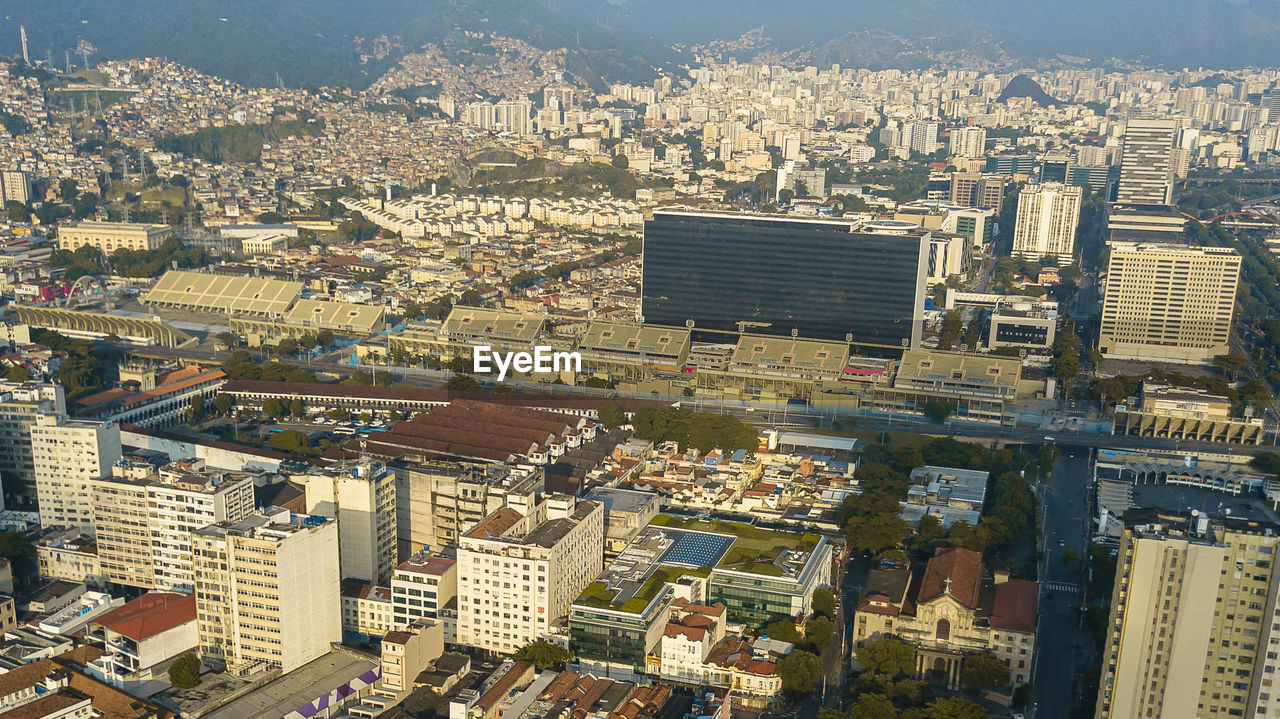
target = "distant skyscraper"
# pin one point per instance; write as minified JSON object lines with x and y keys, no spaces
{"x":1168,"y":302}
{"x":1146,"y":177}
{"x":824,"y":279}
{"x":1193,"y":630}
{"x":1048,"y":215}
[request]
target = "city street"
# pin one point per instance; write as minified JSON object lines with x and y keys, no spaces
{"x":1065,"y":512}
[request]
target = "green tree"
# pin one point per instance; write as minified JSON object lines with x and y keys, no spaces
{"x":463,"y":383}
{"x":339,"y":414}
{"x":289,"y":440}
{"x":873,"y":706}
{"x":197,"y":408}
{"x":227,"y":339}
{"x":17,"y":212}
{"x":951,"y":326}
{"x":799,"y":671}
{"x":1067,"y":364}
{"x":274,"y":408}
{"x":820,"y":631}
{"x":984,"y":671}
{"x":223,"y":403}
{"x":1230,"y":365}
{"x":1267,"y":463}
{"x":184,"y":673}
{"x":287,"y":347}
{"x":543,"y":655}
{"x":620,"y":161}
{"x":891,"y":657}
{"x":366,"y":417}
{"x":611,"y":415}
{"x":297,"y":408}
{"x":824,"y":602}
{"x":937,"y":410}
{"x":18,"y":373}
{"x":324,"y":338}
{"x":21,"y":553}
{"x":953,"y":708}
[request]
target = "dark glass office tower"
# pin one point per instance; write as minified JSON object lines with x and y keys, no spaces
{"x":824,"y":279}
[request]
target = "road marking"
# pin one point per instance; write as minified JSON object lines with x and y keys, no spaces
{"x":1062,"y":587}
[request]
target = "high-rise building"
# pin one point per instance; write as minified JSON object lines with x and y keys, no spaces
{"x":1146,"y":177}
{"x":268,"y":593}
{"x":144,"y":517}
{"x":968,"y":141}
{"x":921,"y":137}
{"x":518,"y":571}
{"x":363,"y":500}
{"x":1055,"y":168}
{"x":1048,"y":215}
{"x":438,"y":500}
{"x":20,"y":405}
{"x":974,"y":189}
{"x":826,"y":279}
{"x":67,"y":454}
{"x":15,"y":186}
{"x":1168,"y":302}
{"x":1193,"y":626}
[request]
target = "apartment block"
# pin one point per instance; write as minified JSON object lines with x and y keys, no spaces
{"x":1168,"y":303}
{"x":423,"y":587}
{"x":66,"y":454}
{"x":519,"y":570}
{"x":437,"y":500}
{"x":20,"y":404}
{"x":1193,"y":619}
{"x":268,"y":590}
{"x":1047,"y":219}
{"x":363,"y":500}
{"x":1146,"y":177}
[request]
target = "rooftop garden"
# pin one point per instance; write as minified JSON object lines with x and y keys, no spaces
{"x":754,"y":549}
{"x":598,"y":595}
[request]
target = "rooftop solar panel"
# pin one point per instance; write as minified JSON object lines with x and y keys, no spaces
{"x":696,"y":549}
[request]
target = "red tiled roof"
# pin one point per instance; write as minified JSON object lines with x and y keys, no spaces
{"x":150,"y":614}
{"x":692,"y":633}
{"x":962,"y":566}
{"x":1015,"y":606}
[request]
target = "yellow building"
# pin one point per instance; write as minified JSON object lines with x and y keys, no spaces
{"x":1192,"y":619}
{"x":112,"y":236}
{"x":1168,"y":302}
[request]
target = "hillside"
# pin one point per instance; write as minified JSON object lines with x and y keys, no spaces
{"x":1023,"y":86}
{"x":322,"y":42}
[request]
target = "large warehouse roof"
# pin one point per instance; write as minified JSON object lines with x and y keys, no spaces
{"x":224,"y":293}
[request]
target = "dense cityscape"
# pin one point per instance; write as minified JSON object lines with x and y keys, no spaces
{"x":506,"y":385}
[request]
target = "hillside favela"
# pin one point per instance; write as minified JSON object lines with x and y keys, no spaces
{"x":634,"y":359}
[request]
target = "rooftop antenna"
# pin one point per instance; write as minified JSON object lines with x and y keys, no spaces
{"x":66,"y":58}
{"x":22,"y":35}
{"x":84,"y":53}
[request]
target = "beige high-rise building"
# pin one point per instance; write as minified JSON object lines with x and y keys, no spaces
{"x":66,"y":455}
{"x":968,"y":141}
{"x":268,"y":593}
{"x":1048,"y":215}
{"x":143,"y":519}
{"x":363,"y":500}
{"x":1193,"y":619}
{"x":20,"y":405}
{"x":518,"y":571}
{"x":1168,"y":303}
{"x":15,"y":186}
{"x":111,"y":236}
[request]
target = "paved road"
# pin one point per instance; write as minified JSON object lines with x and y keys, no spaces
{"x":1065,"y":507}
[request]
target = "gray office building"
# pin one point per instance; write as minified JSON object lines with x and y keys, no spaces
{"x":818,"y":278}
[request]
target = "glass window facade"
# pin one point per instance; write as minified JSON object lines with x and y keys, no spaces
{"x":607,"y":638}
{"x":812,"y":276}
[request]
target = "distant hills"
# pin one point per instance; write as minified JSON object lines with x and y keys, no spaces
{"x":332,"y":42}
{"x":1023,"y":86}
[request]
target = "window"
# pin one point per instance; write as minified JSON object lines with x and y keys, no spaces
{"x":942,"y":632}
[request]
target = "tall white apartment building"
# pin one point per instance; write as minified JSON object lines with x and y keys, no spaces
{"x":67,"y":454}
{"x":184,"y":498}
{"x":1048,"y":216}
{"x":921,"y":137}
{"x":421,"y":588}
{"x":1168,"y":302}
{"x":20,"y":404}
{"x":363,"y":500}
{"x":968,"y":142}
{"x":268,"y":594}
{"x":519,"y":569}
